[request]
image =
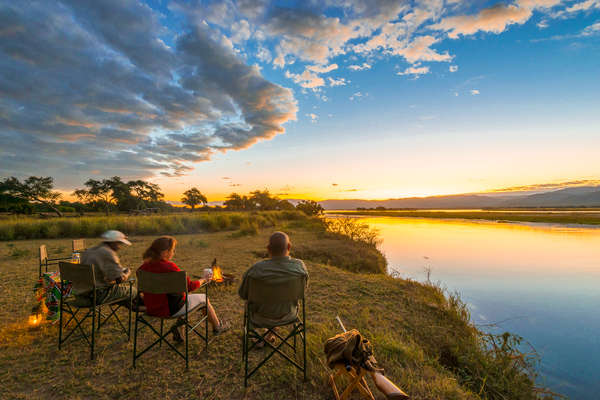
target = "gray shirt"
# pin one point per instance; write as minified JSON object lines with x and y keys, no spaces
{"x":107,"y":266}
{"x":274,"y":269}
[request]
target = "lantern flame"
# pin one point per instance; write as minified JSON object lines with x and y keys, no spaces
{"x":217,"y":274}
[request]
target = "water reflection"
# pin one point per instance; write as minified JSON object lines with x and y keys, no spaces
{"x":542,"y":280}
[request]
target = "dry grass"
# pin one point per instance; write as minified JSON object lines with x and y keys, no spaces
{"x":408,"y":323}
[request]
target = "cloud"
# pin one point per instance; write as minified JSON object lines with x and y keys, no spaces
{"x":453,"y":68}
{"x":551,"y":186}
{"x":337,"y":82}
{"x":474,"y":92}
{"x":362,"y":67}
{"x":493,"y":19}
{"x":306,"y":79}
{"x":356,"y":95}
{"x":313,"y":117}
{"x":322,"y":69}
{"x":91,"y":97}
{"x":583,"y":6}
{"x":416,"y":71}
{"x":593,"y":29}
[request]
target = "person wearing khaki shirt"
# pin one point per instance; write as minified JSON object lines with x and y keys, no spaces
{"x":108,"y":269}
{"x":279,"y":267}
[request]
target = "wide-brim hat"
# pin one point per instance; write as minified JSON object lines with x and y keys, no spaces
{"x":115,"y":236}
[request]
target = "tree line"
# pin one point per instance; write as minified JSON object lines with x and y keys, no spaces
{"x":37,"y":194}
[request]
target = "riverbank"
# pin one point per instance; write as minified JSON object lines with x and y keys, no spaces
{"x":424,"y":339}
{"x":553,"y":217}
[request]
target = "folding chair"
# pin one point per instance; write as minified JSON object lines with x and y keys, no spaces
{"x":45,"y":261}
{"x":262,"y":292}
{"x":78,"y":245}
{"x":168,"y":283}
{"x":83,"y":279}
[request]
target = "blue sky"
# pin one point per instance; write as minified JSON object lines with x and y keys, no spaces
{"x":328,"y":99}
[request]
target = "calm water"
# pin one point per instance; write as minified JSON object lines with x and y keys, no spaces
{"x":543,"y":281}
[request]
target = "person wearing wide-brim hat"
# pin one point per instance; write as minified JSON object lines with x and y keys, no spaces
{"x":107,"y":267}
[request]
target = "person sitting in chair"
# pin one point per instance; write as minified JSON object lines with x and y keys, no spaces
{"x":108,"y":269}
{"x":279,"y":265}
{"x":157,"y":259}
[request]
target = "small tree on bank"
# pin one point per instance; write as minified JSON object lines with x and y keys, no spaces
{"x":34,"y":189}
{"x":193,"y":197}
{"x":310,"y":207}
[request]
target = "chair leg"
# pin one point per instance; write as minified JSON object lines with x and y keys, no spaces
{"x":60,"y":321}
{"x":162,"y":322}
{"x":93,"y":332}
{"x":99,"y":317}
{"x":135,"y":329}
{"x":304,"y":349}
{"x":129,"y":318}
{"x":187,"y":358}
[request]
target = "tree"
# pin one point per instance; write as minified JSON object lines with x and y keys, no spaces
{"x":263,"y":200}
{"x":310,"y":207}
{"x":97,"y":191}
{"x":34,"y":189}
{"x":193,"y":197}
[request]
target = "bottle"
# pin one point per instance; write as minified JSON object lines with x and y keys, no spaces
{"x":76,"y":258}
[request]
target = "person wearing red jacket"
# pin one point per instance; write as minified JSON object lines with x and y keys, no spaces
{"x":157,"y":259}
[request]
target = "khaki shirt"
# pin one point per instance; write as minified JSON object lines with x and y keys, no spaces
{"x":274,"y":269}
{"x":107,"y":266}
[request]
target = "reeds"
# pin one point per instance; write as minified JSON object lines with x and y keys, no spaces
{"x":31,"y":228}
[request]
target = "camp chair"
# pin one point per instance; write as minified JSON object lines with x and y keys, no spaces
{"x":262,"y":292}
{"x":78,"y":245}
{"x":83,"y":280}
{"x":45,"y":261}
{"x":166,"y":283}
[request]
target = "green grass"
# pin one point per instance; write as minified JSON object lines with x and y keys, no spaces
{"x":500,"y":216}
{"x":21,"y":228}
{"x":422,"y":338}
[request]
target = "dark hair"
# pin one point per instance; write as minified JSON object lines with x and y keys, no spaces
{"x":278,"y":243}
{"x":158,"y":246}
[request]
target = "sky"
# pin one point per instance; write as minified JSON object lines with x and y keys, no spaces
{"x":310,"y":99}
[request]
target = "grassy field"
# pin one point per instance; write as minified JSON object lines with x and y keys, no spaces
{"x":19,"y":228}
{"x":422,"y":338}
{"x":554,"y":217}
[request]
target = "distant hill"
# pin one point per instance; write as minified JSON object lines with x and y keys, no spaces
{"x":588,"y":196}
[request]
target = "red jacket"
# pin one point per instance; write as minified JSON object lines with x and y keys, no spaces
{"x":165,"y":305}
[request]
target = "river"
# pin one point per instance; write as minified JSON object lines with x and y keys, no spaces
{"x":539,"y":281}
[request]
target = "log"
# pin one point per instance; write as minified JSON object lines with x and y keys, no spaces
{"x":387,"y":387}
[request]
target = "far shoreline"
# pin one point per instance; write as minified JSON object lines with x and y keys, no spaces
{"x":569,"y":217}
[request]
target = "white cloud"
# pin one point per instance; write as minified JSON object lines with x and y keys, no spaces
{"x":240,"y":31}
{"x":543,"y":24}
{"x":474,"y":92}
{"x":337,"y":82}
{"x":313,"y":117}
{"x":453,"y":68}
{"x":356,"y":95}
{"x":415,"y":71}
{"x":306,"y":79}
{"x":593,"y":29}
{"x":263,"y":54}
{"x":583,"y":6}
{"x":360,"y":67}
{"x":322,"y":69}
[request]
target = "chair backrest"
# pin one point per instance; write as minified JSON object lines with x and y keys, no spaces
{"x":78,"y":245}
{"x":161,"y":283}
{"x":81,"y":276}
{"x":43,"y":254}
{"x":281,"y":291}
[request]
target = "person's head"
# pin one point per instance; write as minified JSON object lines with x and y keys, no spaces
{"x":162,"y":248}
{"x":279,"y":245}
{"x":115,"y":239}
